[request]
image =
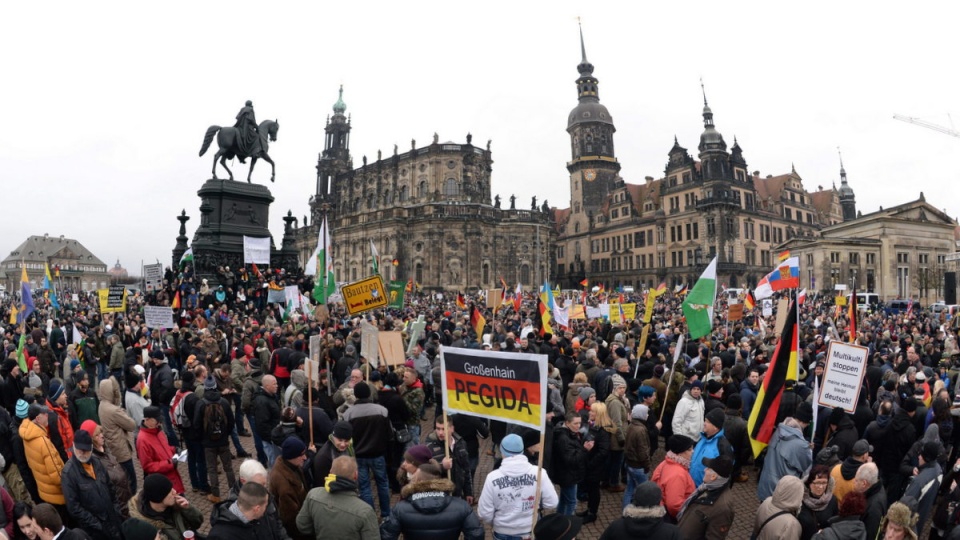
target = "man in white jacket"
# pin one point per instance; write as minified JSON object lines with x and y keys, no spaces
{"x":506,"y":501}
{"x":688,"y":416}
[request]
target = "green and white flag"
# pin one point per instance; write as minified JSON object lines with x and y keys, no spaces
{"x":376,"y":258}
{"x":321,"y":266}
{"x":698,"y":305}
{"x":186,"y":258}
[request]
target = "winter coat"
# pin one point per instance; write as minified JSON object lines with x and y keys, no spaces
{"x":597,"y":456}
{"x":637,"y":447}
{"x":923,"y":488}
{"x":267,"y":527}
{"x":371,"y":429}
{"x":844,"y":437}
{"x":335,"y":511}
{"x":620,"y":416}
{"x":878,"y":434}
{"x":507,"y":490}
{"x":846,"y":528}
{"x":228,"y":526}
{"x":91,"y":501}
{"x":293,"y":396}
{"x":154,"y":453}
{"x":709,"y":515}
{"x":172,"y":523}
{"x":675,"y":484}
{"x":323,"y":460}
{"x":251,"y":387}
{"x":82,"y":406}
{"x":708,"y":447}
{"x":842,"y":475}
{"x":413,"y":398}
{"x":460,"y":472}
{"x":893,"y":444}
{"x":645,"y":523}
{"x":161,"y":385}
{"x":748,"y":395}
{"x":212,"y":397}
{"x":44,"y":461}
{"x":288,"y":487}
{"x":573,"y":394}
{"x":812,"y":521}
{"x":428,"y":511}
{"x":116,"y":423}
{"x":788,"y":454}
{"x":266,"y":413}
{"x":119,"y":481}
{"x":788,"y":497}
{"x":688,"y":417}
{"x":735,"y":431}
{"x":569,"y":458}
{"x":20,"y":458}
{"x":876,"y":508}
{"x":60,"y":422}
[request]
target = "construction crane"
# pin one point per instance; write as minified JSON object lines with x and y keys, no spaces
{"x":928,"y":125}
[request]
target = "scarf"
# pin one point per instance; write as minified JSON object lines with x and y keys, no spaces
{"x":817,"y":503}
{"x":678,"y":459}
{"x":718,"y":483}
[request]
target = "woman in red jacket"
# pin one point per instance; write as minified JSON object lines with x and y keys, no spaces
{"x":153,"y":450}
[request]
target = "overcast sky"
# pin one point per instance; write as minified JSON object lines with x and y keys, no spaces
{"x":105,"y":104}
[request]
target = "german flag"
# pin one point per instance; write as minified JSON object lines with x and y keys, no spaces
{"x":784,"y":255}
{"x":477,"y":322}
{"x":662,"y":288}
{"x":544,"y":312}
{"x":585,"y":282}
{"x":748,"y":301}
{"x":409,"y":287}
{"x":176,"y":301}
{"x":852,"y":315}
{"x":461,"y":301}
{"x":783,"y":366}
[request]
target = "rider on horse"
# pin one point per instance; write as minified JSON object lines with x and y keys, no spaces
{"x":249,"y":140}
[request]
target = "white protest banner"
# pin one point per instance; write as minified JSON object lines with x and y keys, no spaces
{"x":605,"y":310}
{"x":846,"y":364}
{"x":277,"y":296}
{"x":256,"y":250}
{"x":291,"y":296}
{"x":370,"y":343}
{"x":767,"y":307}
{"x":153,"y":276}
{"x":158,"y":316}
{"x":593,"y":312}
{"x":312,"y":363}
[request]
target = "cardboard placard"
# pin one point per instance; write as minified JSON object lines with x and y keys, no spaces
{"x":783,"y":311}
{"x":370,"y":343}
{"x":158,"y":316}
{"x":843,"y":375}
{"x":735,"y":312}
{"x":391,"y":348}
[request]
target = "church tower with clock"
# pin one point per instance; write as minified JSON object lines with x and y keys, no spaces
{"x":593,"y":166}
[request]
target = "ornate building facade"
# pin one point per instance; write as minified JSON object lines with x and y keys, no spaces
{"x":668,"y":229}
{"x":428,"y":211}
{"x":80,"y":270}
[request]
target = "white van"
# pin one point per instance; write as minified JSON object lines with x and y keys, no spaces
{"x":866,"y":299}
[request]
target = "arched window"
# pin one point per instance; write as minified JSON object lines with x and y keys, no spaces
{"x":404,"y":193}
{"x":418,"y":272}
{"x":421,"y":189}
{"x":450,"y":187}
{"x":525,"y":274}
{"x":576,"y":249}
{"x":485,"y":278}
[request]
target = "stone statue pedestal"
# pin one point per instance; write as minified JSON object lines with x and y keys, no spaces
{"x":230,"y":210}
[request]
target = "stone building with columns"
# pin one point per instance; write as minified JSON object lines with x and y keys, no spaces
{"x":430,"y":212}
{"x":80,"y":270}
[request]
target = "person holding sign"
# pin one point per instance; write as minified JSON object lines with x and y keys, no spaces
{"x":506,"y":501}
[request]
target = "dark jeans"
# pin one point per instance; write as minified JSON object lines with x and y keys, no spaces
{"x":592,"y":487}
{"x":379,"y":466}
{"x":568,"y":500}
{"x":238,"y":414}
{"x":168,"y":427}
{"x":257,"y":442}
{"x":197,"y":465}
{"x":226,"y":459}
{"x":614,"y":467}
{"x":131,"y":474}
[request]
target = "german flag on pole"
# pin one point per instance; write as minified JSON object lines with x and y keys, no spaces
{"x":852,"y":314}
{"x":784,"y":255}
{"x":477,"y":322}
{"x":748,"y":302}
{"x":461,"y":301}
{"x":783,"y":366}
{"x":584,"y":283}
{"x":544,"y":312}
{"x":176,"y":301}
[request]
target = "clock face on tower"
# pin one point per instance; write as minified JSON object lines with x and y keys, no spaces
{"x":590,"y":175}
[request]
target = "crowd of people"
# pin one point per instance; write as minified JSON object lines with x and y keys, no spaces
{"x":87,"y":398}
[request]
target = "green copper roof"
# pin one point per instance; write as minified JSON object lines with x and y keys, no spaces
{"x":339,"y":107}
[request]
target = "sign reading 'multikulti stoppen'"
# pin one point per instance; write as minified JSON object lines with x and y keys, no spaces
{"x":843,"y":375}
{"x":510,"y":387}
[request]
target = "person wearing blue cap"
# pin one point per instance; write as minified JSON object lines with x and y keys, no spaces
{"x":508,"y":492}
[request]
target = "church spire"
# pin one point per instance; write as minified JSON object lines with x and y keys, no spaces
{"x":583,"y":48}
{"x":843,"y":172}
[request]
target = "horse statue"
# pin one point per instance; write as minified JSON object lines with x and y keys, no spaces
{"x":228,"y":138}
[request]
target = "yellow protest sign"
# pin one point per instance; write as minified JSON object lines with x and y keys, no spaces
{"x":113,"y":300}
{"x":364,"y":295}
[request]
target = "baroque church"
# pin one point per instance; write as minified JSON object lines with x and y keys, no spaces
{"x":669,"y":228}
{"x":428,"y":211}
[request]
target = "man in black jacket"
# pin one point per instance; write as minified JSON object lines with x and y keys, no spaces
{"x":371,"y":438}
{"x":241,"y":520}
{"x":214,"y":420}
{"x":458,"y":461}
{"x":266,"y":415}
{"x":88,"y":491}
{"x":162,"y":391}
{"x":569,"y":462}
{"x":268,"y":526}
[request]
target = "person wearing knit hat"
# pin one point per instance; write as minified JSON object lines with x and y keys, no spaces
{"x":637,"y":451}
{"x":138,"y":529}
{"x":586,"y":398}
{"x":415,"y":457}
{"x":21,"y":410}
{"x":153,"y":450}
{"x":643,"y":516}
{"x":338,"y":444}
{"x":709,"y":511}
{"x":497,"y":505}
{"x":713,"y":443}
{"x":287,"y":482}
{"x":160,"y":501}
{"x":672,"y":475}
{"x":618,"y":409}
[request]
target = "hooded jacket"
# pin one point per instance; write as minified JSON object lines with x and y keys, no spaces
{"x":428,"y":511}
{"x":288,"y":489}
{"x":788,"y":454}
{"x":569,"y":457}
{"x":251,"y":386}
{"x":507,"y":490}
{"x":844,"y":437}
{"x":748,"y":393}
{"x":335,"y":511}
{"x":688,"y":416}
{"x":44,"y":461}
{"x":267,"y":527}
{"x":645,"y":523}
{"x":227,"y":525}
{"x":212,"y":397}
{"x":90,"y":499}
{"x":116,"y":423}
{"x":674,"y":482}
{"x":842,"y":475}
{"x":709,"y":515}
{"x":708,"y":447}
{"x":293,"y":395}
{"x":843,"y":528}
{"x":786,"y":498}
{"x":154,"y":453}
{"x":923,"y":488}
{"x":894,"y":443}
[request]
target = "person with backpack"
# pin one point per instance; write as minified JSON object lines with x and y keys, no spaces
{"x":214,"y":420}
{"x":182,"y":410}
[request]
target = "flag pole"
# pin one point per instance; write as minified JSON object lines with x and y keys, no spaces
{"x":666,"y":394}
{"x":536,"y":498}
{"x":310,"y":399}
